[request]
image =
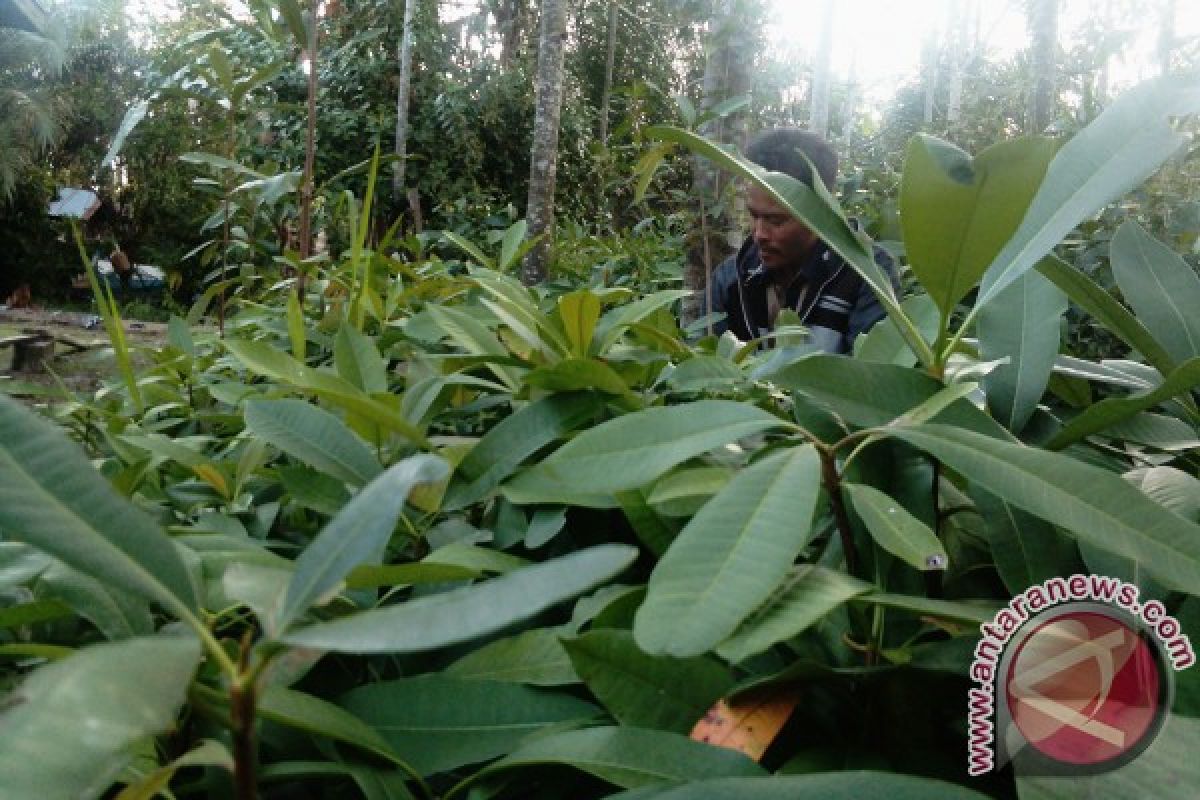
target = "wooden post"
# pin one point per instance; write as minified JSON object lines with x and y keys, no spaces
{"x":32,"y":354}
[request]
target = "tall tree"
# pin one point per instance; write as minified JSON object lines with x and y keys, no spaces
{"x":822,"y":73}
{"x":543,"y":162}
{"x":957,"y":27}
{"x":403,"y":90}
{"x":610,"y":58}
{"x":727,"y":74}
{"x":1042,"y":22}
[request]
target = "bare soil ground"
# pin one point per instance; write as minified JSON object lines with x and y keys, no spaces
{"x":83,"y":358}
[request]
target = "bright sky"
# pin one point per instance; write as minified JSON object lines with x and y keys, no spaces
{"x":881,"y":40}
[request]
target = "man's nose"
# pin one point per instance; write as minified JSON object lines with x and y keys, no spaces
{"x":759,"y":233}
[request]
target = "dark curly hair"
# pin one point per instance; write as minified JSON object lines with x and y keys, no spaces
{"x":779,"y":150}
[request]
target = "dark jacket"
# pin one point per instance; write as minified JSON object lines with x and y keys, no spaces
{"x":836,"y":306}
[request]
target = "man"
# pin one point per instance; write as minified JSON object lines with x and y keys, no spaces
{"x":783,"y":264}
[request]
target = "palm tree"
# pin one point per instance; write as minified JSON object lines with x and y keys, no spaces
{"x":30,"y":116}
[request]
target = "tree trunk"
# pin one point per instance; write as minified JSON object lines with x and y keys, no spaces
{"x":310,"y":148}
{"x":727,"y":74}
{"x":543,"y":163}
{"x":956,"y":40}
{"x":403,"y":89}
{"x":929,"y":70}
{"x":822,"y":74}
{"x":1042,"y":20}
{"x":510,"y":19}
{"x":609,"y":64}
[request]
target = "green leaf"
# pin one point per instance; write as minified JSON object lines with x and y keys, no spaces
{"x":535,"y":657}
{"x":884,"y":343}
{"x":867,"y":395}
{"x":704,"y":372}
{"x":515,"y":439}
{"x":70,"y":727}
{"x":468,"y":248}
{"x":896,"y":530}
{"x":616,"y":321}
{"x":209,"y":753}
{"x":33,"y":613}
{"x":1112,"y":410}
{"x":633,"y":450}
{"x":842,"y":785}
{"x":358,"y":361}
{"x":465,"y":329}
{"x":1170,"y":488}
{"x":371,"y":576}
{"x":219,"y":163}
{"x":1026,"y":549}
{"x":1116,"y":152}
{"x":441,"y":723}
{"x":579,"y":312}
{"x":134,"y":115}
{"x":969,"y":612}
{"x":262,"y":358}
{"x":434,"y":621}
{"x":806,"y":595}
{"x":731,"y":556}
{"x":684,"y":492}
{"x":52,"y":498}
{"x":296,"y":22}
{"x":545,"y":525}
{"x":115,"y":613}
{"x":1162,"y":288}
{"x":957,"y":212}
{"x":1095,"y":505}
{"x":574,"y":374}
{"x":511,"y":245}
{"x":313,"y":436}
{"x":627,"y":757}
{"x":1091,"y":297}
{"x":314,"y":715}
{"x":645,"y":691}
{"x":1021,"y":324}
{"x":358,"y":534}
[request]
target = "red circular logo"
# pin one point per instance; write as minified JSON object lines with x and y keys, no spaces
{"x":1085,"y":689}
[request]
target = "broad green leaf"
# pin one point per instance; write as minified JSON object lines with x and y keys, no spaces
{"x":53,"y":498}
{"x":807,"y":595}
{"x":970,"y":612}
{"x":219,"y":163}
{"x":1026,"y":549}
{"x":1155,"y":430}
{"x":575,"y":374}
{"x":320,"y":717}
{"x":579,"y":312}
{"x":843,"y":785}
{"x":313,"y":436}
{"x":683,"y":493}
{"x":434,"y":621}
{"x":510,"y":245}
{"x":358,"y":361}
{"x":1093,"y":504}
{"x":515,"y":439}
{"x":1171,"y":488}
{"x":521,"y":312}
{"x":187,"y":453}
{"x":1116,"y":152}
{"x":475,"y":339}
{"x":616,"y":321}
{"x":467,"y":247}
{"x":632,"y":450}
{"x":867,"y":395}
{"x":209,"y":753}
{"x":652,"y":530}
{"x":371,"y":576}
{"x":536,"y":657}
{"x":440,"y":723}
{"x":544,"y":526}
{"x":957,"y":212}
{"x":1023,"y":325}
{"x":657,"y":692}
{"x":1112,"y":410}
{"x":69,"y":729}
{"x":731,"y":556}
{"x":896,"y":530}
{"x":1162,"y":288}
{"x":704,"y":372}
{"x":133,"y":115}
{"x":115,"y":612}
{"x":262,"y":358}
{"x":627,"y":757}
{"x":313,"y":489}
{"x":357,"y":535}
{"x":884,"y":344}
{"x":297,"y":24}
{"x":1089,"y":296}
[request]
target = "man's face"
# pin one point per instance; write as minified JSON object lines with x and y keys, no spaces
{"x":782,"y":240}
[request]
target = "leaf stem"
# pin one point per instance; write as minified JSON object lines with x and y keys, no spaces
{"x":833,"y":485}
